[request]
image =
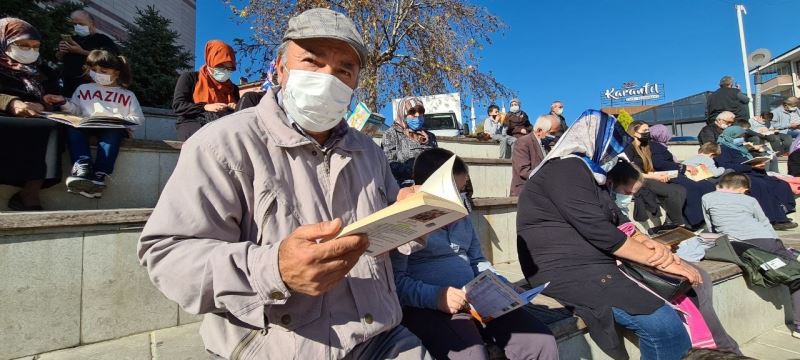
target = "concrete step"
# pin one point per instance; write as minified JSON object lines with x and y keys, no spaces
{"x":144,"y":166}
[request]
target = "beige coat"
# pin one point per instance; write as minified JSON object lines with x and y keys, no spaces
{"x":242,"y":184}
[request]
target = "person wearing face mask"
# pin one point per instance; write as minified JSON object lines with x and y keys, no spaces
{"x":406,"y":139}
{"x":73,"y":51}
{"x":786,"y":117}
{"x":774,"y":196}
{"x":107,"y":96}
{"x":529,"y":152}
{"x":28,"y":147}
{"x":208,"y":94}
{"x":245,"y":231}
{"x":710,"y":133}
{"x":557,"y":109}
{"x":495,"y":127}
{"x":517,"y":120}
{"x":658,"y":190}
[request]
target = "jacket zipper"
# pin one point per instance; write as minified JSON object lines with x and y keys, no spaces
{"x":239,"y":349}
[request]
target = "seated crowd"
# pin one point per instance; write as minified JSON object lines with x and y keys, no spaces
{"x":275,"y":181}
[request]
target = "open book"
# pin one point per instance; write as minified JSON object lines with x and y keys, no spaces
{"x":757,"y":160}
{"x":365,"y":121}
{"x":436,"y":204}
{"x":89,"y":122}
{"x":490,"y":297}
{"x":702,"y":173}
{"x":671,"y":173}
{"x":674,"y":237}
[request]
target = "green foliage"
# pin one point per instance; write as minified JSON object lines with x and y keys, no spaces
{"x":624,"y":119}
{"x":51,"y":18}
{"x":155,"y":57}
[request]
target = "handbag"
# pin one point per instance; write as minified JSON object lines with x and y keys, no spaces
{"x":667,"y":286}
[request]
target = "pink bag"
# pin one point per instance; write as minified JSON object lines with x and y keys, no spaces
{"x":695,"y":324}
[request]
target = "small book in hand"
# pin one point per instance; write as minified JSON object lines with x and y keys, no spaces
{"x":105,"y":122}
{"x":757,"y":160}
{"x":436,"y":204}
{"x":674,"y":237}
{"x":490,"y":297}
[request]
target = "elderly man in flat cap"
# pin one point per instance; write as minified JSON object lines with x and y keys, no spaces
{"x":244,"y":230}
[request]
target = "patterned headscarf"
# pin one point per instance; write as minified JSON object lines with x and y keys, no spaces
{"x":420,"y":136}
{"x":11,"y":30}
{"x":726,"y":139}
{"x":596,"y":138}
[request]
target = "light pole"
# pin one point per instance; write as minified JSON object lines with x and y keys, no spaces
{"x":739,"y":11}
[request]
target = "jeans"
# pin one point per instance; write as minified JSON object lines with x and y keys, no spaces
{"x":108,"y":141}
{"x":793,"y":133}
{"x":661,"y":334}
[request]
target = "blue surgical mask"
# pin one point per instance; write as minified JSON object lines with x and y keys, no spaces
{"x":623,"y":201}
{"x":416,"y":123}
{"x":82,"y":30}
{"x":220,"y":74}
{"x":738,"y":141}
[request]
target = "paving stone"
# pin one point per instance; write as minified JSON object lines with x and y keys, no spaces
{"x":40,"y":292}
{"x":136,"y":347}
{"x":118,"y":297}
{"x":781,"y":340}
{"x":179,"y":343}
{"x":766,"y":352}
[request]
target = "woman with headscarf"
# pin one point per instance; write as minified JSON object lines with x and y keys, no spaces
{"x":652,"y":155}
{"x":406,"y":139}
{"x":794,"y":158}
{"x":774,"y":196}
{"x":567,"y":233}
{"x":208,"y":94}
{"x":28,"y":147}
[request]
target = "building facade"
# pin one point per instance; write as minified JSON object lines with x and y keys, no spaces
{"x":777,"y":79}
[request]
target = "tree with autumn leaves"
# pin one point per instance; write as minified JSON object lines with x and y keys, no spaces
{"x":415,"y":47}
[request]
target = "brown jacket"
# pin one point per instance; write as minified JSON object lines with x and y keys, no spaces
{"x":516,"y":122}
{"x":527,"y":155}
{"x":242,"y":184}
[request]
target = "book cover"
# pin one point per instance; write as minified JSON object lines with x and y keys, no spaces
{"x":757,"y":160}
{"x":436,"y":204}
{"x":674,"y":237}
{"x":490,"y":297}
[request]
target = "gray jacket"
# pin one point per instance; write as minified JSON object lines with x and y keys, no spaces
{"x":782,"y":119}
{"x":243,"y":184}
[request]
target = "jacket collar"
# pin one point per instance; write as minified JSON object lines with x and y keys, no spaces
{"x":281,"y":130}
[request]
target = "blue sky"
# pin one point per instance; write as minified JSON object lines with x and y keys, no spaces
{"x":573,"y":50}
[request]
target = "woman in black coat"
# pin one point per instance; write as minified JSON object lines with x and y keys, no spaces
{"x":29,"y":148}
{"x":567,"y":234}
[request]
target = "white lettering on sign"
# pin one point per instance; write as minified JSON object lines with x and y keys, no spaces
{"x":630,"y":92}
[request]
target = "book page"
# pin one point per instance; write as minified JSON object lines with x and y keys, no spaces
{"x":671,"y":173}
{"x":702,"y":173}
{"x":63,"y":118}
{"x":442,"y":184}
{"x":491,"y":297}
{"x":757,"y":160}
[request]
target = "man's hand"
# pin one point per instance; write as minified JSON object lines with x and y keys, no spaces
{"x":524,"y":131}
{"x":232,"y":106}
{"x":760,"y":166}
{"x":686,"y":271}
{"x":452,"y":300}
{"x":312,"y":262}
{"x":25,"y":109}
{"x":215,"y":107}
{"x":406,"y":192}
{"x":662,"y":255}
{"x":54,"y":99}
{"x":71,"y":47}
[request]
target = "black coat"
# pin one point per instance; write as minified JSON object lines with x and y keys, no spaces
{"x":567,"y":234}
{"x":709,"y":134}
{"x":726,"y":99}
{"x":184,"y":106}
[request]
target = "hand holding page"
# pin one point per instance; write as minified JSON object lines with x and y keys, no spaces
{"x":490,"y":297}
{"x":435,"y":205}
{"x":90,"y":122}
{"x":702,"y":173}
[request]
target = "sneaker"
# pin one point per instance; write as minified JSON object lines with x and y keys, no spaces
{"x":99,"y":182}
{"x":80,"y":179}
{"x":780,"y":226}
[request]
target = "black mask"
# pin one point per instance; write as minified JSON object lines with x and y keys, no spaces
{"x":645,"y":138}
{"x":494,"y":116}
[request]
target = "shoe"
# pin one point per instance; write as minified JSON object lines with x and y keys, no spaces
{"x":782,"y":226}
{"x":16,"y":204}
{"x":796,"y":334}
{"x":80,"y":179}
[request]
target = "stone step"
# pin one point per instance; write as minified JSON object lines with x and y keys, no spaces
{"x":144,"y":166}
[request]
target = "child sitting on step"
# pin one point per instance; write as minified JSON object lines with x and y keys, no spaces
{"x":705,"y":156}
{"x":730,"y":211}
{"x":430,"y":281}
{"x":107,"y":96}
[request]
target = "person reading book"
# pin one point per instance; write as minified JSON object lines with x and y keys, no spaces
{"x":705,"y":158}
{"x":429,"y":285}
{"x":732,"y":212}
{"x":106,"y":97}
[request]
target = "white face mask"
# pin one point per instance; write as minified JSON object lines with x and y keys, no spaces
{"x":793,"y":108}
{"x":81,"y":30}
{"x":220,"y":74}
{"x":102,"y":79}
{"x":315,"y":101}
{"x":22,"y":56}
{"x":514,"y":108}
{"x":558,"y":111}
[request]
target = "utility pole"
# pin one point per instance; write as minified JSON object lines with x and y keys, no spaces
{"x":739,"y":11}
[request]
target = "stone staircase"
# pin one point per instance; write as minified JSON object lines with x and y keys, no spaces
{"x":72,"y":278}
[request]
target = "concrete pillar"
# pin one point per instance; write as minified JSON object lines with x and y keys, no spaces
{"x":793,"y":66}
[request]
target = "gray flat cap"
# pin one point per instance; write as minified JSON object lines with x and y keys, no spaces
{"x":326,"y":23}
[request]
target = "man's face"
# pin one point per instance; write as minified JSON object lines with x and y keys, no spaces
{"x":81,"y":19}
{"x":724,"y":123}
{"x":329,"y":56}
{"x":514,"y":103}
{"x":557,"y":108}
